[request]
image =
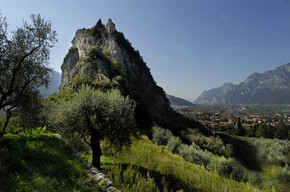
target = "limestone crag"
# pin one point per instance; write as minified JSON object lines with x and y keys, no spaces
{"x":105,"y":57}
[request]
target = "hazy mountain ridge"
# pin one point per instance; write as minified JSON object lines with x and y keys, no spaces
{"x":270,"y":87}
{"x":177,"y":101}
{"x":53,"y":86}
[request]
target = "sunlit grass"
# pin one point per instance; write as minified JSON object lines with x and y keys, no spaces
{"x":190,"y":177}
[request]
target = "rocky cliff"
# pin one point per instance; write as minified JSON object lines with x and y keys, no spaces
{"x":104,"y":58}
{"x":270,"y":87}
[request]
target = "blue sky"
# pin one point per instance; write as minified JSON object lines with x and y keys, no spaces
{"x":189,"y":45}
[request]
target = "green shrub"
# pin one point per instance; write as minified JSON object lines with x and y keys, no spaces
{"x":130,"y":179}
{"x":270,"y":151}
{"x":212,"y":144}
{"x":229,"y":150}
{"x":173,"y":144}
{"x":194,"y":154}
{"x":284,"y":175}
{"x":257,"y":180}
{"x":161,"y":136}
{"x":225,"y":168}
{"x":231,"y":168}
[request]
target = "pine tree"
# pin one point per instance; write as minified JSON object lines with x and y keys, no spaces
{"x":262,"y":130}
{"x":240,"y":129}
{"x":281,"y":131}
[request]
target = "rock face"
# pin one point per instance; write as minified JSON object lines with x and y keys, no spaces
{"x":271,"y":87}
{"x":102,"y":57}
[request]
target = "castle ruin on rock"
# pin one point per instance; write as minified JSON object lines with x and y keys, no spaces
{"x":110,"y":26}
{"x":102,"y":56}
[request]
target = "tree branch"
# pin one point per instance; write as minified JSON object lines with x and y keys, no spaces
{"x":84,"y":138}
{"x":14,"y":73}
{"x":8,"y":116}
{"x":16,"y":100}
{"x":1,"y":91}
{"x":15,"y":70}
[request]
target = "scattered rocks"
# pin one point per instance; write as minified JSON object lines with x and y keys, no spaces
{"x":112,"y":189}
{"x":101,"y":180}
{"x":94,"y":174}
{"x":93,"y":171}
{"x":105,"y":183}
{"x":57,"y":135}
{"x":98,"y":177}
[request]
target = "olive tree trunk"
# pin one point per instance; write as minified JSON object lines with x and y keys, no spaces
{"x":96,"y":148}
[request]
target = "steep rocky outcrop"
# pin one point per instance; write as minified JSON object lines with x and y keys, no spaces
{"x":102,"y":57}
{"x":270,"y":87}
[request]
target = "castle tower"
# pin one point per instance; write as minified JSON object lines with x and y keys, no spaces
{"x":110,"y":26}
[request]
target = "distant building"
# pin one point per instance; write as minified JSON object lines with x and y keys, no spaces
{"x":110,"y":26}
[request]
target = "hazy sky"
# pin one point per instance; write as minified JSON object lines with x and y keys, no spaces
{"x":189,"y":45}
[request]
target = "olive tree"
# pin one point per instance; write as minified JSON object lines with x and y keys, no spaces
{"x":24,"y":57}
{"x":95,"y":115}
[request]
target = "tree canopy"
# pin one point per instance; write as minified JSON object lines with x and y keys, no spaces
{"x":24,"y":59}
{"x":94,"y":115}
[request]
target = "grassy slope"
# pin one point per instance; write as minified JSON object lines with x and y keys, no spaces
{"x":40,"y":162}
{"x":180,"y":174}
{"x":271,"y":153}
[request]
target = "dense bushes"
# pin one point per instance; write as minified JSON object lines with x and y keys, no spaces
{"x":271,"y":151}
{"x":193,"y":153}
{"x":214,"y":154}
{"x":180,"y":174}
{"x":130,"y":179}
{"x":284,"y":175}
{"x":230,"y":168}
{"x":212,"y":144}
{"x":161,"y":136}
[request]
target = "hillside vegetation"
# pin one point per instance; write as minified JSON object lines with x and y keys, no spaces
{"x":39,"y":161}
{"x":169,"y":171}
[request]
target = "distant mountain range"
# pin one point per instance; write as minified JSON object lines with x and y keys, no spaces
{"x":177,"y":102}
{"x":270,"y":87}
{"x":55,"y":79}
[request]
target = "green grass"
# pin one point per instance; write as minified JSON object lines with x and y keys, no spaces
{"x":147,"y":157}
{"x":274,"y":175}
{"x":40,"y":162}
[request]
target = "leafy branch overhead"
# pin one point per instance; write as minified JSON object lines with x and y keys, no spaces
{"x":24,"y":61}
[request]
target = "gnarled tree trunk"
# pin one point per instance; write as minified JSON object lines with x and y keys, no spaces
{"x":96,"y":148}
